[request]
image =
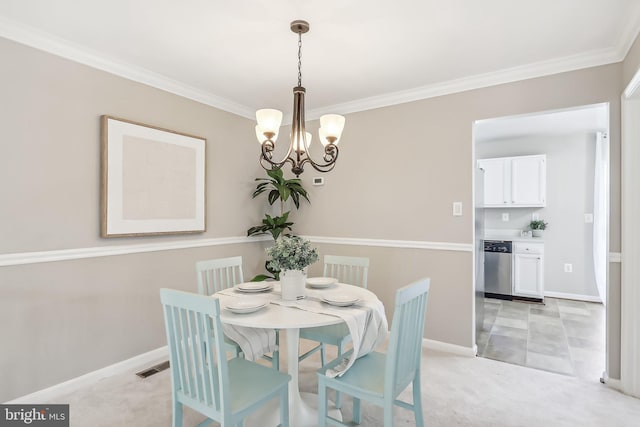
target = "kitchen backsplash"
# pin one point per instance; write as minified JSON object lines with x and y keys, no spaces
{"x":519,"y":218}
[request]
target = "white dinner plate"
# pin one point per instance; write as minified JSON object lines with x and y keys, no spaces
{"x":254,"y":286}
{"x":321,"y":282}
{"x":245,"y":305}
{"x":341,"y":299}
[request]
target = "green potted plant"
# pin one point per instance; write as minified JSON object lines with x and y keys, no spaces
{"x":280,"y":189}
{"x":291,"y":255}
{"x":277,"y":189}
{"x":537,"y":227}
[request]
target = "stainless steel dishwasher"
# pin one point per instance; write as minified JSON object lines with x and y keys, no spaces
{"x":497,"y":269}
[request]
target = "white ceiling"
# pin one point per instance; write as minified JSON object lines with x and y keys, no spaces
{"x":241,"y":55}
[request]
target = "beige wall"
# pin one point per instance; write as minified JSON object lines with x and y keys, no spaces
{"x":400,"y":169}
{"x":60,"y":320}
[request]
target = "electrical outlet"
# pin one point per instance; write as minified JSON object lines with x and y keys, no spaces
{"x":535,"y":216}
{"x":588,"y":218}
{"x":505,"y":216}
{"x":568,"y":268}
{"x":457,"y":208}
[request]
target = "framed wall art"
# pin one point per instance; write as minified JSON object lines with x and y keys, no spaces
{"x":153,"y":180}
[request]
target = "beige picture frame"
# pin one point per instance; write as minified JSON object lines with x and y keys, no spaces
{"x":152,"y":180}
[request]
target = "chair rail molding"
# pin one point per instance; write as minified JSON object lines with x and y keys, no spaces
{"x":409,"y":244}
{"x":101,"y":251}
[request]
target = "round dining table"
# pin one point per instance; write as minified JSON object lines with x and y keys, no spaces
{"x":302,"y":406}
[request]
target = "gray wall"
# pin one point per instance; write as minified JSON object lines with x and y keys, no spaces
{"x":570,"y":178}
{"x":400,"y":169}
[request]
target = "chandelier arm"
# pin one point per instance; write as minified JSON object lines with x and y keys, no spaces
{"x":330,"y":157}
{"x":267,"y":154}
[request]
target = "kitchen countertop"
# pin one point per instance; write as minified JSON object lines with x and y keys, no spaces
{"x":510,"y":235}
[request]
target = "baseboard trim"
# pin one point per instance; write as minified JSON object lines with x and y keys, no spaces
{"x":577,"y":297}
{"x":449,"y":348}
{"x":613,"y":383}
{"x":50,"y":394}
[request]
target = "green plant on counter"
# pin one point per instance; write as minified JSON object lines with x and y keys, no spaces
{"x":538,"y":225}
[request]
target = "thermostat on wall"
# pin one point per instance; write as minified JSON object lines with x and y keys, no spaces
{"x":318,"y":180}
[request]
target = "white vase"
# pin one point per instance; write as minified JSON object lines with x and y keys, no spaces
{"x":293,"y":283}
{"x":538,"y":233}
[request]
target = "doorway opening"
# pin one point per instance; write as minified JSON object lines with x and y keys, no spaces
{"x":549,"y":310}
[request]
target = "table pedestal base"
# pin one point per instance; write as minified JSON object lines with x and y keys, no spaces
{"x":303,"y":407}
{"x":305,"y":414}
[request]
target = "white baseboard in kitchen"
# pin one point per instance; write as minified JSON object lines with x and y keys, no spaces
{"x":613,"y":383}
{"x":449,"y":348}
{"x":50,"y":394}
{"x":577,"y":297}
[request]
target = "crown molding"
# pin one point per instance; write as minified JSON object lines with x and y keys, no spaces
{"x":46,"y":42}
{"x":508,"y":75}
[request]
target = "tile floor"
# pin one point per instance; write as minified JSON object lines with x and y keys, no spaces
{"x":562,"y":336}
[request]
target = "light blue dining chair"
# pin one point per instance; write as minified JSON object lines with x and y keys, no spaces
{"x":379,"y":377}
{"x":349,"y":270}
{"x":223,"y":390}
{"x":215,"y":275}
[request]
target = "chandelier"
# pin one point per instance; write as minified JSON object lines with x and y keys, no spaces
{"x":269,"y":121}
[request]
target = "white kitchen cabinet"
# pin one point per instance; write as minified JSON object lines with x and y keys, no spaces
{"x":528,"y":270}
{"x":514,"y":181}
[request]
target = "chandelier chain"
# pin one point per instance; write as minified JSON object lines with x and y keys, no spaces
{"x":299,"y":59}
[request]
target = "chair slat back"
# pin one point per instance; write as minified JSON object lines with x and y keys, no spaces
{"x":347,"y":269}
{"x":405,"y":343}
{"x":195,"y":339}
{"x":217,"y":274}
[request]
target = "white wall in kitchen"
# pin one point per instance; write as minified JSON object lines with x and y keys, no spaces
{"x":570,"y":173}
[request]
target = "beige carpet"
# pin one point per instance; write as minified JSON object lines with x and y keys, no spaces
{"x":457,"y":391}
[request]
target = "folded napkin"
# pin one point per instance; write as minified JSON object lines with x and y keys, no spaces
{"x":254,"y":342}
{"x":366,"y":321}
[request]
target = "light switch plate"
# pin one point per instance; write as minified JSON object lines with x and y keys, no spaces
{"x":505,"y":216}
{"x":535,"y":216}
{"x":457,"y":208}
{"x":568,"y":268}
{"x":318,"y":180}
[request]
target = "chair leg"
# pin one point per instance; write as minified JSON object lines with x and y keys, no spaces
{"x":177,"y":414}
{"x":284,"y":407}
{"x":417,"y":400}
{"x":322,"y":355}
{"x":388,"y":413}
{"x":322,"y":402}
{"x":275,"y":359}
{"x":338,"y":394}
{"x":357,"y":411}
